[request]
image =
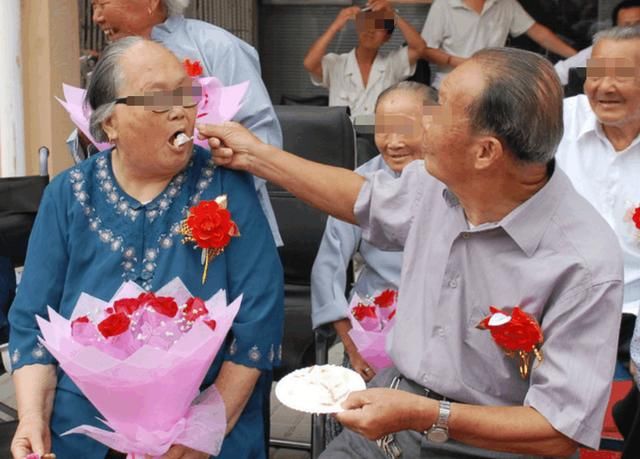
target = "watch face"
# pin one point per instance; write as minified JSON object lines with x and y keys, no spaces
{"x":437,"y":435}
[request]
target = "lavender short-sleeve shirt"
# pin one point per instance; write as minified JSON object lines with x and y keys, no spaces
{"x":553,"y":255}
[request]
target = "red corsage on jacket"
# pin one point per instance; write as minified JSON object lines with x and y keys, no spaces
{"x":517,"y":334}
{"x":193,"y":68}
{"x":210,"y":227}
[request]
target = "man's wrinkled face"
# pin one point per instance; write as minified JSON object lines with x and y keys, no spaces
{"x":628,"y":16}
{"x":120,"y":18}
{"x":448,"y":134}
{"x":613,"y":81}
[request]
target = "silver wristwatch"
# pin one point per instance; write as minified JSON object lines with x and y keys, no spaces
{"x":439,"y":432}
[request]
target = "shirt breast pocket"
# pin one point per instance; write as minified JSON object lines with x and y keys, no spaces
{"x":487,"y":368}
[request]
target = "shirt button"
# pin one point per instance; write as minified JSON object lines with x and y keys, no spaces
{"x":466,"y":235}
{"x":453,"y":283}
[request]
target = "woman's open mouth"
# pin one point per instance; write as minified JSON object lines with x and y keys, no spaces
{"x":178,"y":139}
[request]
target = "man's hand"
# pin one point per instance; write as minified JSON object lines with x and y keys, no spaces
{"x":32,"y":436}
{"x":232,"y":145}
{"x":345,"y":15}
{"x":182,"y":452}
{"x":375,"y":413}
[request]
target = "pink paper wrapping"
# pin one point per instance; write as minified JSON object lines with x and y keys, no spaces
{"x":149,"y":398}
{"x":220,"y":104}
{"x":371,"y":338}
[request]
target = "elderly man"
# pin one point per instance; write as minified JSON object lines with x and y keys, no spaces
{"x":600,"y":152}
{"x":492,"y":221}
{"x":626,"y":13}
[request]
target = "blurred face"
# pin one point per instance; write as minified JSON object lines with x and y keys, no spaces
{"x":629,"y":16}
{"x":122,"y":18}
{"x":370,"y":27}
{"x":399,"y":129}
{"x":613,"y":82}
{"x":144,"y":134}
{"x":448,"y":137}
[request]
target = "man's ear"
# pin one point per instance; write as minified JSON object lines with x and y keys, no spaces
{"x":489,"y":150}
{"x":153,"y":5}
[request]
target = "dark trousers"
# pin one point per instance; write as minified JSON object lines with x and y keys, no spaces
{"x":626,"y":414}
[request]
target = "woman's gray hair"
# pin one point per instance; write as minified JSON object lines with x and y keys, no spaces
{"x":105,"y":83}
{"x":521,"y":103}
{"x":618,"y":33}
{"x":427,"y":93}
{"x":175,"y":7}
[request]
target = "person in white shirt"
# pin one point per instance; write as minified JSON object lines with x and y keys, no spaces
{"x":600,"y":150}
{"x":356,"y":79}
{"x":455,"y":29}
{"x":626,"y":13}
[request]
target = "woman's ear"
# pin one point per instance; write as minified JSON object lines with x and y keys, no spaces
{"x":110,"y":128}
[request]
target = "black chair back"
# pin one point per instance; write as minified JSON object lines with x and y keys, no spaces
{"x":326,"y":135}
{"x":19,"y":201}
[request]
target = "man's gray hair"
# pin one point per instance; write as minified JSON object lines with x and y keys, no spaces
{"x":426,"y":93}
{"x":521,"y":103}
{"x":618,"y":33}
{"x":105,"y":83}
{"x":175,"y":7}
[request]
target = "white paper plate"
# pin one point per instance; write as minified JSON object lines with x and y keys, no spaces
{"x":318,"y":389}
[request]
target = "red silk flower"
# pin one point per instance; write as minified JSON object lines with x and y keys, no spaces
{"x":517,"y":334}
{"x":164,"y":305}
{"x":386,"y":299}
{"x":211,"y":225}
{"x":521,"y":333}
{"x":81,"y":320}
{"x":195,"y":308}
{"x":636,"y":217}
{"x":114,"y":325}
{"x":362,"y":311}
{"x":161,"y":304}
{"x":193,"y":68}
{"x":128,"y":305}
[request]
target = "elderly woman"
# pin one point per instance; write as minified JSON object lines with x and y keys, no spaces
{"x":398,"y":136}
{"x":115,"y":217}
{"x":221,"y":54}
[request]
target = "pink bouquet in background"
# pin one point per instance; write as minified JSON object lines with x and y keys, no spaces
{"x":140,"y":359}
{"x":371,"y":321}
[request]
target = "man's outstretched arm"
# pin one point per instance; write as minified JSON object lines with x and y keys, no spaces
{"x":333,"y":190}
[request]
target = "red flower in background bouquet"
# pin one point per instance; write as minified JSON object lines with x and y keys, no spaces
{"x":518,"y":334}
{"x":371,"y":321}
{"x":140,"y":360}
